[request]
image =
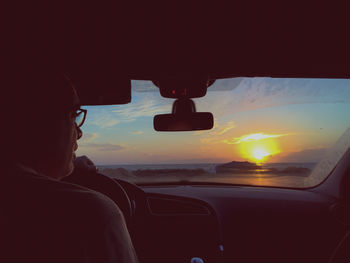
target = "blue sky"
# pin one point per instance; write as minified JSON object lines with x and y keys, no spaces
{"x":310,"y":114}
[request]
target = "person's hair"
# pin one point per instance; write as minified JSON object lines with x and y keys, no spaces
{"x":32,"y":103}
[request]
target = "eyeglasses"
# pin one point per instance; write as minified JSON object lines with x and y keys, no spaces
{"x":80,"y":116}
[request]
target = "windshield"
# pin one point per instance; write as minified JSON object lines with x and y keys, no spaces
{"x":267,"y":132}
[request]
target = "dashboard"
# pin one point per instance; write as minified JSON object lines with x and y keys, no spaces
{"x":233,"y":224}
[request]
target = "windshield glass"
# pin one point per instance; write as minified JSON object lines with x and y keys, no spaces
{"x":267,"y":132}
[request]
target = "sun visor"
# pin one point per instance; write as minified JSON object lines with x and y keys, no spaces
{"x":102,"y":89}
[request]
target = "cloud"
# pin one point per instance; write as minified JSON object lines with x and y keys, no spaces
{"x":110,"y":147}
{"x":257,"y":93}
{"x":148,"y":106}
{"x":137,"y":132}
{"x":307,"y":155}
{"x":105,"y":122}
{"x":104,"y":118}
{"x":223,"y":129}
{"x":253,"y":137}
{"x":109,"y":123}
{"x":215,"y":135}
{"x":88,"y":137}
{"x":218,"y":129}
{"x":207,"y":140}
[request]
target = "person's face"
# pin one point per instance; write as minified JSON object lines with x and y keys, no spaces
{"x":70,"y":134}
{"x":63,"y":143}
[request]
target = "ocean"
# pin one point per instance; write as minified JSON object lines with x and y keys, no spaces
{"x":269,"y":174}
{"x":209,"y":167}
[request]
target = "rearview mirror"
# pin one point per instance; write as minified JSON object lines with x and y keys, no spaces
{"x":184,"y":122}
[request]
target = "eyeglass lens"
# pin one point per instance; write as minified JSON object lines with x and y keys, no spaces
{"x":80,"y":118}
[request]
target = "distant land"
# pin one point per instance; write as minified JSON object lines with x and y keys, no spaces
{"x":235,"y":167}
{"x":208,"y":172}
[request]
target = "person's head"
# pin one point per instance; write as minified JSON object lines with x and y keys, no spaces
{"x":40,"y":121}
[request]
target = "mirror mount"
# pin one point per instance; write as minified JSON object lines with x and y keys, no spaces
{"x":177,"y":88}
{"x":183,"y":106}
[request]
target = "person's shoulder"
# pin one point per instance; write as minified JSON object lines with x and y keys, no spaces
{"x":85,"y":199}
{"x":59,"y":197}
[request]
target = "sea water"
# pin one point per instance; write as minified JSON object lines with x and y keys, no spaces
{"x":208,"y":167}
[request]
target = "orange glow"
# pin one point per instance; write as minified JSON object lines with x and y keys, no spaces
{"x":260,"y":148}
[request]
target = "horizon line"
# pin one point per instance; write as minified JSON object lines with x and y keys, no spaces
{"x":200,"y":163}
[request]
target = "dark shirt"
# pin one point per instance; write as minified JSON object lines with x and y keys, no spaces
{"x":45,"y":220}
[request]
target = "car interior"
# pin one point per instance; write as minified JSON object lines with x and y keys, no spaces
{"x":179,"y":56}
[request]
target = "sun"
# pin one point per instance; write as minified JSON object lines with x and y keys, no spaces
{"x":259,"y":154}
{"x":258,"y":148}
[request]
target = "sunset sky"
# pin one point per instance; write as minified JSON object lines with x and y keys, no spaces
{"x":256,"y":119}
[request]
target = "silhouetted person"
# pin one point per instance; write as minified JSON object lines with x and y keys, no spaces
{"x":43,"y":219}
